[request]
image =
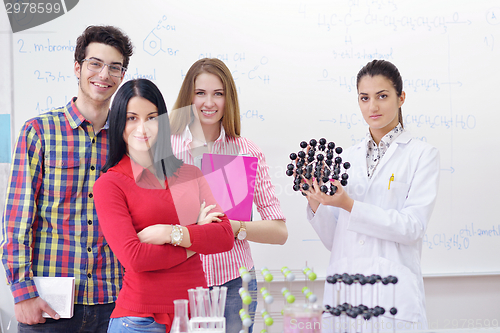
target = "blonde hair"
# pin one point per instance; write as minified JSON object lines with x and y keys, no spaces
{"x":182,"y":115}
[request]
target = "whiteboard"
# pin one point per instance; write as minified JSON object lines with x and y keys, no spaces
{"x":295,"y":63}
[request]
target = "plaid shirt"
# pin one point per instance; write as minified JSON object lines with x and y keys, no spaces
{"x":50,"y":225}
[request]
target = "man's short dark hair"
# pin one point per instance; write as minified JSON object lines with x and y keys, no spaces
{"x":107,"y":35}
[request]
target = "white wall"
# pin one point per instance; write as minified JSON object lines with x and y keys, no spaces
{"x":462,"y":301}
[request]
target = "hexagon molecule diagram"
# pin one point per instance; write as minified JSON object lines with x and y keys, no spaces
{"x":152,"y":44}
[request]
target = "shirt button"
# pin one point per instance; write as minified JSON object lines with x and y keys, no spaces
{"x":92,"y":168}
{"x":91,"y":195}
{"x":361,"y":242}
{"x":89,"y":222}
{"x":93,"y":140}
{"x":89,"y":276}
{"x":89,"y":249}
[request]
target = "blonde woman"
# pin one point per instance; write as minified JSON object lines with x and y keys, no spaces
{"x":206,"y":119}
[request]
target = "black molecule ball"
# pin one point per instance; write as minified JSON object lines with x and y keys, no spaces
{"x":394,"y":311}
{"x":336,"y":312}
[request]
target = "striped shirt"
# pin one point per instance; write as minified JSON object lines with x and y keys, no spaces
{"x":223,"y":267}
{"x":50,"y":225}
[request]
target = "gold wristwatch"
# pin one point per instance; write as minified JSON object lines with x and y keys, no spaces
{"x":176,"y":235}
{"x":241,"y":234}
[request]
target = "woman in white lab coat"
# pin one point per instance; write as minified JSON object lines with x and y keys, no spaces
{"x":376,"y":223}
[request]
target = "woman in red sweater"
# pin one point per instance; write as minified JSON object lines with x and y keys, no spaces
{"x":144,"y":184}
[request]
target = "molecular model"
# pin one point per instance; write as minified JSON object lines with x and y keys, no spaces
{"x":317,"y":159}
{"x":353,"y":306}
{"x":286,"y":296}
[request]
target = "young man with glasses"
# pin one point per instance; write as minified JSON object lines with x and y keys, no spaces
{"x":50,"y":226}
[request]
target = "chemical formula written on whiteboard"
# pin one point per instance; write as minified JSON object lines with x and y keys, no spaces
{"x":461,"y":240}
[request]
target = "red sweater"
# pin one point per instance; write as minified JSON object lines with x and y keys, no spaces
{"x":156,"y":275}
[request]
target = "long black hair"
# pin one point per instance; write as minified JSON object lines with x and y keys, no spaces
{"x":389,"y":71}
{"x":165,"y":162}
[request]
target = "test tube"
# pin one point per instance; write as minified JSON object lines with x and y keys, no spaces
{"x":200,"y":305}
{"x":222,"y":300}
{"x":214,"y":296}
{"x":206,"y":302}
{"x":192,"y":302}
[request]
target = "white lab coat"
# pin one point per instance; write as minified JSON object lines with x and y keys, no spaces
{"x":383,"y":233}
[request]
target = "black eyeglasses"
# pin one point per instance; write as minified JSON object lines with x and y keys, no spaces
{"x":95,"y":65}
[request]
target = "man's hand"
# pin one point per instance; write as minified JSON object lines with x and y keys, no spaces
{"x":30,"y":311}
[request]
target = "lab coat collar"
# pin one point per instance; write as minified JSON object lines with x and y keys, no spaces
{"x":403,"y":139}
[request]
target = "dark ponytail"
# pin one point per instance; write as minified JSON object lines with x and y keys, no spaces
{"x":388,"y":70}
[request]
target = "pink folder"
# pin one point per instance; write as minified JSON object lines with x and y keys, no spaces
{"x":232,"y":180}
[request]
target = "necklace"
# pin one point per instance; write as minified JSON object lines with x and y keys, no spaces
{"x":205,"y":143}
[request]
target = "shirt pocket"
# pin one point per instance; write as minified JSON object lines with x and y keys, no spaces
{"x":63,"y":177}
{"x":395,"y":196}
